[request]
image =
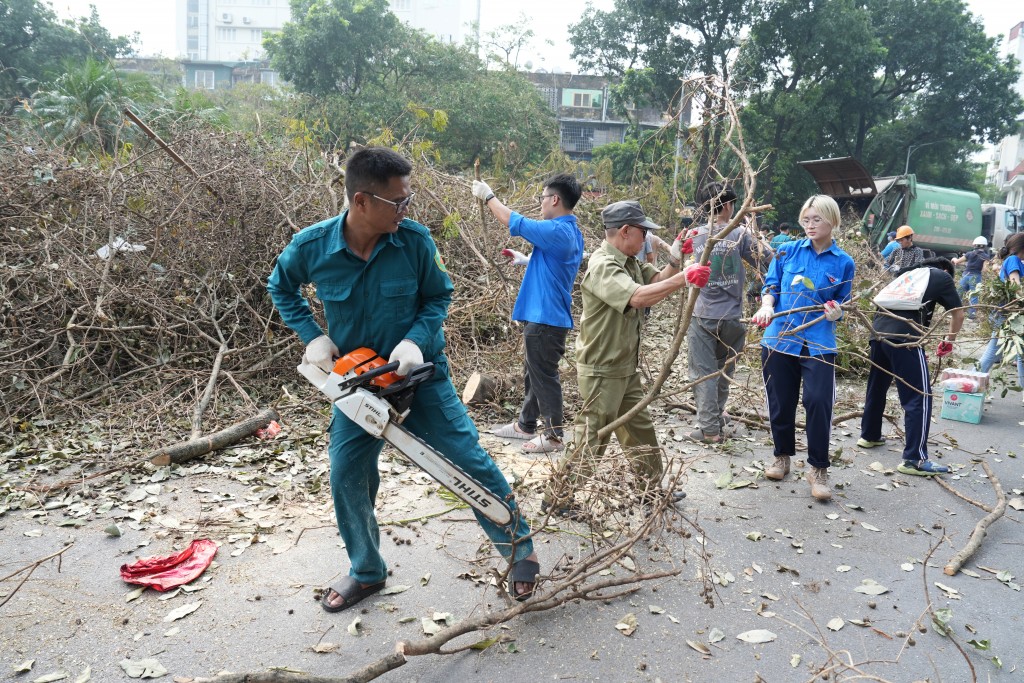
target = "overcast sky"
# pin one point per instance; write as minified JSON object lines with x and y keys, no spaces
{"x":154,"y":20}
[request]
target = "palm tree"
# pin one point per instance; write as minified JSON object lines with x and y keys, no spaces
{"x":82,"y":107}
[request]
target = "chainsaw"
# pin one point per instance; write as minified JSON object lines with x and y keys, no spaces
{"x":366,"y":389}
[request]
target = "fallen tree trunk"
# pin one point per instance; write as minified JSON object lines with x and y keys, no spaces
{"x":978,"y":535}
{"x":193,"y":448}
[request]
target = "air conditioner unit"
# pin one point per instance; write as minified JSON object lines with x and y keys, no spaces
{"x":246,"y":20}
{"x":226,"y":17}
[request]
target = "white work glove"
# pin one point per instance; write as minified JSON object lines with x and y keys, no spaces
{"x":482,"y":190}
{"x":832,"y":311}
{"x":518,"y":258}
{"x":763,"y":317}
{"x":321,"y":352}
{"x":408,"y":356}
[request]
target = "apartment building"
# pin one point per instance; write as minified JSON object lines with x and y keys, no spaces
{"x":585,"y":118}
{"x":1006,"y":170}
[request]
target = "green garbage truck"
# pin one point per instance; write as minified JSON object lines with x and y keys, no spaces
{"x":945,"y":220}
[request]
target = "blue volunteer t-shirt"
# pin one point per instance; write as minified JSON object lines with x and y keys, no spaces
{"x":545,"y":296}
{"x":1011,"y":264}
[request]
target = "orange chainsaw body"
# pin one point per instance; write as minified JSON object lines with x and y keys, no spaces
{"x":363,"y":360}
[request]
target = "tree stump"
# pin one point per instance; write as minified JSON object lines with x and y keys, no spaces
{"x":479,"y":389}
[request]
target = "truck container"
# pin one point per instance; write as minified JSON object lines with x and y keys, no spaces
{"x":945,"y":220}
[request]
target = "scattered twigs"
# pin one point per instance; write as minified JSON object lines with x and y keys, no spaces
{"x":931,"y":609}
{"x":27,"y":570}
{"x":978,"y":535}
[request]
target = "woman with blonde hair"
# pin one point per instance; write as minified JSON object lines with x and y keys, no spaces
{"x":800,"y":345}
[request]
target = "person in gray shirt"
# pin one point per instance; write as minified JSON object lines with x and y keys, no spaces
{"x":716,"y":335}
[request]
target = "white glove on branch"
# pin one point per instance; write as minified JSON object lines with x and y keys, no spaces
{"x":832,"y":311}
{"x":482,"y":190}
{"x":763,"y":316}
{"x":408,"y":356}
{"x":518,"y":258}
{"x":321,"y":352}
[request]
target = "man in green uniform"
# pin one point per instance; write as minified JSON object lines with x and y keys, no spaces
{"x":384,"y":286}
{"x":616,"y":289}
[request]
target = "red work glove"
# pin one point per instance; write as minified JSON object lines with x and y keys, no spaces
{"x":945,"y":348}
{"x":697,"y":275}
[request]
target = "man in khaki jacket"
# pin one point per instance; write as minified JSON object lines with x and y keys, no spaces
{"x":616,"y":289}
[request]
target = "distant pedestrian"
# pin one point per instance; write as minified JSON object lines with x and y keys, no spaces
{"x":975,"y":259}
{"x":907,"y":255}
{"x":783,"y":236}
{"x":808,"y":272}
{"x":891,"y":246}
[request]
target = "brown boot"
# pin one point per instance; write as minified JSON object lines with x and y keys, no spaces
{"x":818,"y":479}
{"x":779,"y":469}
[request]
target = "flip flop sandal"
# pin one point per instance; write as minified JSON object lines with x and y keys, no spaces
{"x":351,"y":591}
{"x":511,"y":431}
{"x":523,"y":571}
{"x":542,"y":444}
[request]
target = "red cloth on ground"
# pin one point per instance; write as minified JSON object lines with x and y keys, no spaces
{"x":170,"y":571}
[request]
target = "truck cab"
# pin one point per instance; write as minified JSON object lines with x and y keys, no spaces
{"x":998,"y":222}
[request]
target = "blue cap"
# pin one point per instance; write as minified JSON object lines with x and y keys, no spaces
{"x":892,"y":235}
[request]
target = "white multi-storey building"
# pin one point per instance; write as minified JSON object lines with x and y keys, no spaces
{"x":449,"y":21}
{"x":233,"y":30}
{"x":1007,"y":170}
{"x":227,"y":30}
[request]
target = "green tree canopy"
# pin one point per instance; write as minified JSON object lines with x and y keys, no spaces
{"x":822,"y":78}
{"x":408,"y":84}
{"x":869,"y":80}
{"x":34,"y":45}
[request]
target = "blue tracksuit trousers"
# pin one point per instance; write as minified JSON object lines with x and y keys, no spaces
{"x":908,"y":367}
{"x":438,"y":417}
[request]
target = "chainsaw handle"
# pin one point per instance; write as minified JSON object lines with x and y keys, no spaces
{"x":420,"y":373}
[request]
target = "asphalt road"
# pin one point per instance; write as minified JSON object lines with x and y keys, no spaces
{"x":793,"y":564}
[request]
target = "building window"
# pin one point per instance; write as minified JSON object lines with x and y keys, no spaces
{"x":268,"y":77}
{"x":550,"y":97}
{"x":193,"y":6}
{"x":204,"y":79}
{"x":401,"y":5}
{"x":577,"y":138}
{"x":581,"y":99}
{"x":226,"y":34}
{"x":256,"y":35}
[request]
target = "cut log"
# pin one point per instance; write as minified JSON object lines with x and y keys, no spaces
{"x":193,"y":448}
{"x":479,"y":389}
{"x":981,"y":528}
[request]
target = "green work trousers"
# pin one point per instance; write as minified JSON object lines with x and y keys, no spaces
{"x":604,"y":400}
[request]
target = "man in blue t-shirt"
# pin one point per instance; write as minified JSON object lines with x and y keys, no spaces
{"x":544,"y":304}
{"x":891,"y":246}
